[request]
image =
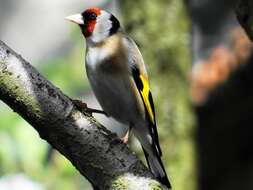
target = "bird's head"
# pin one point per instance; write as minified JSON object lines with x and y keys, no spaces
{"x":96,"y":24}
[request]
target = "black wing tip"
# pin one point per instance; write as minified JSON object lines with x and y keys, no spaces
{"x":165,"y":181}
{"x":155,"y":142}
{"x":162,"y":179}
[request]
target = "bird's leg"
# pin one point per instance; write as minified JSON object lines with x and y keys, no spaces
{"x":125,"y":138}
{"x":84,"y":108}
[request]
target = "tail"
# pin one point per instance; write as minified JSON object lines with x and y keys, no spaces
{"x":156,"y":166}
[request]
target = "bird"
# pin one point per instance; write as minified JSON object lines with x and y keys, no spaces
{"x":117,"y":74}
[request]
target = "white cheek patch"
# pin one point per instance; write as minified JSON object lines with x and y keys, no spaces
{"x":102,"y":28}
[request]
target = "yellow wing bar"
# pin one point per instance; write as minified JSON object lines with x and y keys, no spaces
{"x":145,"y":95}
{"x":143,"y":87}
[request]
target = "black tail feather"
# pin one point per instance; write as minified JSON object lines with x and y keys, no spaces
{"x":160,"y":176}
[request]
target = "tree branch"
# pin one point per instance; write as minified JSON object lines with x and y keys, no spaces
{"x":108,"y":164}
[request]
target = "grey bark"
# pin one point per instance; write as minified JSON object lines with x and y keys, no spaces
{"x":93,"y":150}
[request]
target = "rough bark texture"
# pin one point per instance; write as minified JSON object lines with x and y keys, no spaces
{"x":244,"y":12}
{"x":107,"y":163}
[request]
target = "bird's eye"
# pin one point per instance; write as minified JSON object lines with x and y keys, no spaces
{"x":92,"y":16}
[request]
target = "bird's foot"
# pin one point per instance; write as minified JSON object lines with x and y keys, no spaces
{"x":81,"y":106}
{"x":125,"y":138}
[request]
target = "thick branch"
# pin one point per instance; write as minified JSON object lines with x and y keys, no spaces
{"x":92,"y":149}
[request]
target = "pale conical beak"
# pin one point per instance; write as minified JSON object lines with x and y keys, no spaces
{"x":77,"y":18}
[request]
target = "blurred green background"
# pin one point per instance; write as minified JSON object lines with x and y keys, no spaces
{"x":161,"y":29}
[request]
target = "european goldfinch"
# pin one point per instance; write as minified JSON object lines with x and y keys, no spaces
{"x":118,"y":77}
